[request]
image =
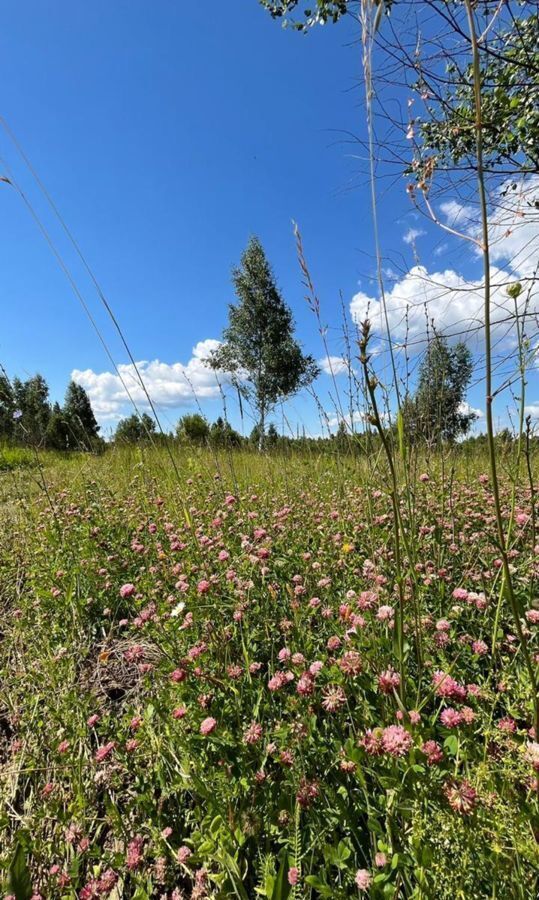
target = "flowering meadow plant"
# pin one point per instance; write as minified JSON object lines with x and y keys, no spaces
{"x":202,"y":695}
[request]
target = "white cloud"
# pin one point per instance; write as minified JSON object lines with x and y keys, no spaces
{"x":412,"y":234}
{"x":357,"y":417}
{"x":458,"y":214}
{"x":532,"y":410}
{"x":454,"y":303}
{"x":465,"y":409}
{"x":333,"y":365}
{"x":169,"y":385}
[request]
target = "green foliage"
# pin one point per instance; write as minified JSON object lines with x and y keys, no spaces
{"x":31,"y":400}
{"x":27,"y":417}
{"x":314,"y":12}
{"x":57,"y":434}
{"x":12,"y":457}
{"x":193,"y":429}
{"x":135,"y":429}
{"x":437,"y":411}
{"x":19,"y":881}
{"x":509,"y":100}
{"x":7,"y":407}
{"x":223,"y":435}
{"x":259,"y":350}
{"x":79,"y":415}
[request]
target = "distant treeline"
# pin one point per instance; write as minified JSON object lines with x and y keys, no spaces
{"x":28,"y":418}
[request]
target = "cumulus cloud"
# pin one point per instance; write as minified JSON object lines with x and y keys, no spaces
{"x":333,"y":365}
{"x":458,"y":214}
{"x":412,"y":234}
{"x":168,"y":384}
{"x":357,"y":417}
{"x":453,"y":302}
{"x":465,"y":409}
{"x":532,"y":410}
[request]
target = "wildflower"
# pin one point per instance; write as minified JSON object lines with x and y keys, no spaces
{"x":63,"y":746}
{"x":203,"y":586}
{"x":277,"y":681}
{"x":508,"y":725}
{"x":160,"y":870}
{"x":468,"y":715}
{"x":127,"y":590}
{"x":178,"y":675}
{"x":396,"y":740}
{"x":380,"y":860}
{"x":293,"y":875}
{"x":178,"y":609}
{"x":451,"y":718}
{"x":462,"y":797}
{"x":532,"y":754}
{"x":363,"y":879}
{"x":92,"y":720}
{"x":183,"y":854}
{"x":97,"y":887}
{"x":389,"y":681}
{"x":385,"y":613}
{"x":179,"y":713}
{"x":333,"y":698}
{"x":134,"y":852}
{"x":134,"y":653}
{"x":480,"y":648}
{"x":234,"y":671}
{"x":446,"y":686}
{"x":305,"y":685}
{"x":307,"y":792}
{"x":103,"y":752}
{"x":253,"y":733}
{"x":372,"y":741}
{"x":350,"y":663}
{"x":208,"y":725}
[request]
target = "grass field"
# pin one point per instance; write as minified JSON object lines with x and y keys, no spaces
{"x":228,"y":685}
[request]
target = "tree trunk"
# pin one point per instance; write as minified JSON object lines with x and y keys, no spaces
{"x":261,"y":426}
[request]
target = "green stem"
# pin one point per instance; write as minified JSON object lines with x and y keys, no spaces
{"x":488,"y":362}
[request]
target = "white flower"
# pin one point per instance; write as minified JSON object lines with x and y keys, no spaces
{"x":532,"y":753}
{"x":178,"y":609}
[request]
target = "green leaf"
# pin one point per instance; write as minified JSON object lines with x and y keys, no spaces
{"x":216,"y":826}
{"x":281,"y":889}
{"x":320,"y":886}
{"x":19,"y":880}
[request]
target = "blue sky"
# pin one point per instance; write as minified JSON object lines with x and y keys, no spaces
{"x":167,"y":133}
